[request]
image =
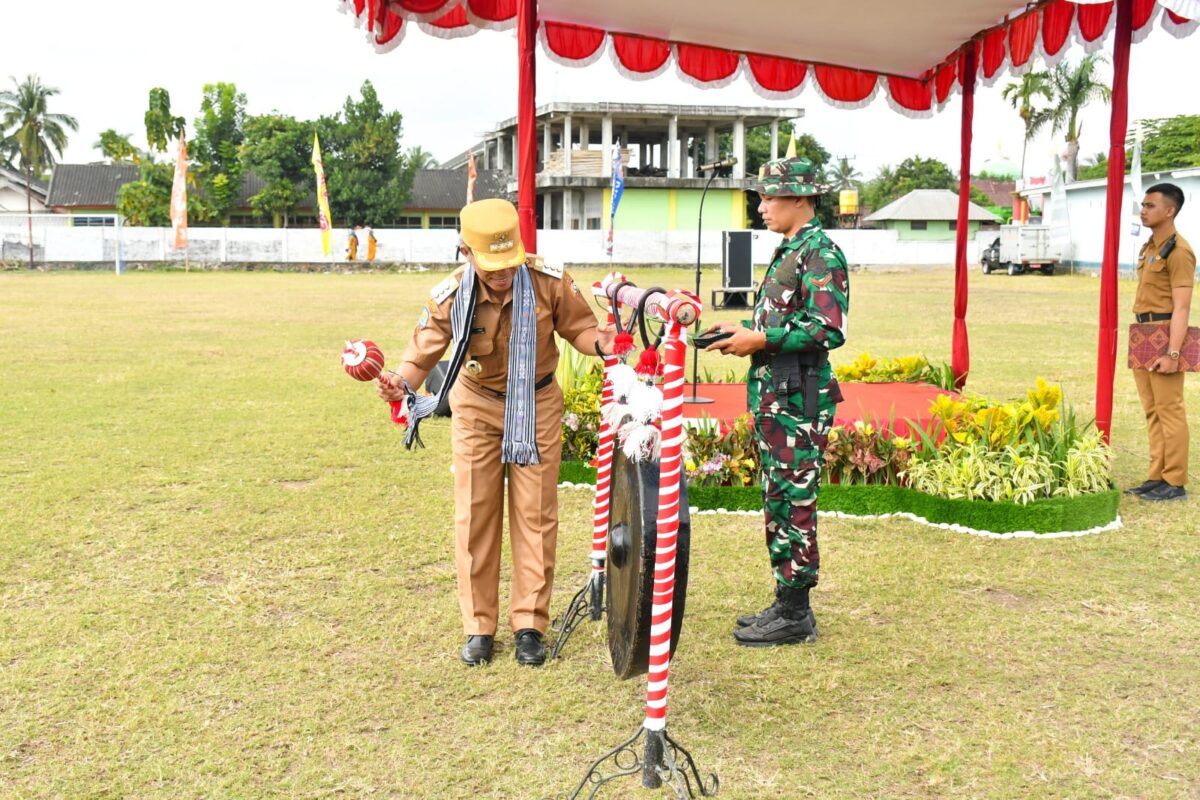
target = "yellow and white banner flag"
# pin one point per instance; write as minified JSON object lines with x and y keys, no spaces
{"x":322,"y":196}
{"x":179,"y":198}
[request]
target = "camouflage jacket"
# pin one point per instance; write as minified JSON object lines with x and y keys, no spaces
{"x":802,"y":306}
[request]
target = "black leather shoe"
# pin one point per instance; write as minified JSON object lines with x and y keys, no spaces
{"x":1165,"y":493}
{"x":477,"y":651}
{"x":1146,"y":486}
{"x":530,"y":651}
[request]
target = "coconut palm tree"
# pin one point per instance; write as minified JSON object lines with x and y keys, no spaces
{"x":38,"y":133}
{"x":845,"y":176}
{"x":1075,"y":87}
{"x":1021,"y":96}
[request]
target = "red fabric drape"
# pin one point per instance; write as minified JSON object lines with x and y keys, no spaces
{"x":639,"y":54}
{"x":1093,"y":20}
{"x":1178,"y":20}
{"x":910,"y":93}
{"x":455,"y":18}
{"x":1142,"y":11}
{"x":776,"y":74}
{"x":960,"y":355}
{"x":390,"y":24}
{"x":419,"y":6}
{"x":1106,"y":347}
{"x":572,"y":41}
{"x":1022,"y":35}
{"x":527,"y":24}
{"x":993,"y":53}
{"x":845,"y":85}
{"x":1056,"y":25}
{"x":944,"y":79}
{"x":706,"y":64}
{"x":494,"y":10}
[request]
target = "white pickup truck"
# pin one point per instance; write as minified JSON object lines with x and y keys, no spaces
{"x":1020,"y":248}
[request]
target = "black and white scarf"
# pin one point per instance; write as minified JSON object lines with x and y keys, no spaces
{"x":519,"y":445}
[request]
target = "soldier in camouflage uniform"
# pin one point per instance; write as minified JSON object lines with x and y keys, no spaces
{"x":799,"y":317}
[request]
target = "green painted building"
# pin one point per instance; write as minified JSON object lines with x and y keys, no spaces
{"x":929,"y":215}
{"x":662,"y":151}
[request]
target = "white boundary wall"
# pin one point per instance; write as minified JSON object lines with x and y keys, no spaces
{"x":63,"y":244}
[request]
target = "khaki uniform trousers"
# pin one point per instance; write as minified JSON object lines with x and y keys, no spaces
{"x":1166,"y":420}
{"x":476,"y":431}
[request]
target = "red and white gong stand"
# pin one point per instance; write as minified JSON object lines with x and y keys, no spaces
{"x":663,"y":760}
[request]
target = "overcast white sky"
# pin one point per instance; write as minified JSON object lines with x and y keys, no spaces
{"x":303,"y":57}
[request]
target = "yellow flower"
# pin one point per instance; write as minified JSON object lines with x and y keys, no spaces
{"x":868,"y":429}
{"x":746,"y":479}
{"x":749,"y":462}
{"x":901,"y":442}
{"x":1045,"y":395}
{"x":858,"y":425}
{"x":834,"y":434}
{"x":690,"y":465}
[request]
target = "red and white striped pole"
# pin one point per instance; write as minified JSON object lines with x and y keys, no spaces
{"x":682,"y":309}
{"x":604,"y":459}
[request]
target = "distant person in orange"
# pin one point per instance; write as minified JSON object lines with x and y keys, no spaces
{"x":352,"y":244}
{"x":372,"y":243}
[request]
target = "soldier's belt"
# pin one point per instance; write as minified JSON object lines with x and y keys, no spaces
{"x":795,"y":372}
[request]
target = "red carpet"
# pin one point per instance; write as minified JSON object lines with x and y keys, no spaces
{"x":871,"y":402}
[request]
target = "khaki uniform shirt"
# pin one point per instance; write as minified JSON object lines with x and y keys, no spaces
{"x":562,"y":307}
{"x":1158,"y":276}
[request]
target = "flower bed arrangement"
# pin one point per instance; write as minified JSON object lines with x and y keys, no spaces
{"x":1025,"y":465}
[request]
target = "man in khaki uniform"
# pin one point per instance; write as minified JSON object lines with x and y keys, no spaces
{"x":479,"y":398}
{"x":1166,"y":272}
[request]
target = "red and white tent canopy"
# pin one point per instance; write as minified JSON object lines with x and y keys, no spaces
{"x":917,"y":52}
{"x":906,"y":49}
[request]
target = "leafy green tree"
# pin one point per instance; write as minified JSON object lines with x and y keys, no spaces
{"x":216,"y":148}
{"x":1075,"y":87}
{"x":369,"y":177}
{"x":36,"y":134}
{"x":1022,"y":96}
{"x":148,"y":201}
{"x":1096,"y":166}
{"x":1171,"y":143}
{"x":117,"y":148}
{"x":278,"y":149}
{"x":161,"y":125}
{"x":912,"y":173}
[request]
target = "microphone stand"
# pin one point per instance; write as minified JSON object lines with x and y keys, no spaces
{"x":712,"y":173}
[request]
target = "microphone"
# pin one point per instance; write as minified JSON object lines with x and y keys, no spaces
{"x":723,"y":164}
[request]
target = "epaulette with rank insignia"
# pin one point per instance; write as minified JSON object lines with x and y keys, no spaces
{"x":444,"y":289}
{"x":539,"y":264}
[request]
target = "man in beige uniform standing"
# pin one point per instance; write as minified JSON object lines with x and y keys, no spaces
{"x":507,"y":417}
{"x":1166,"y":272}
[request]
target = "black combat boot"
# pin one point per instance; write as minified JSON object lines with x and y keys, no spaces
{"x":770,"y":612}
{"x":793,"y":624}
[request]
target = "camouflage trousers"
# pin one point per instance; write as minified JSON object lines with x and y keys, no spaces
{"x":791,"y":450}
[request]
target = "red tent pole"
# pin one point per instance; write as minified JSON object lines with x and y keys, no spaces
{"x":960,"y":359}
{"x":527,"y":23}
{"x":1106,"y":349}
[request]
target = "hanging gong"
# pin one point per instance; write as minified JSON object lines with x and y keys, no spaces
{"x":632,"y":536}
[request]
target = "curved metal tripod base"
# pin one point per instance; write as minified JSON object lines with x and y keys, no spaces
{"x":588,"y":602}
{"x":665,"y":761}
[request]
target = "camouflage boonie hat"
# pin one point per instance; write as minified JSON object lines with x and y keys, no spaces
{"x":788,"y":177}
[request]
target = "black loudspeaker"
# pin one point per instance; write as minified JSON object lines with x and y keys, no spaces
{"x":434,"y":384}
{"x":737,"y":269}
